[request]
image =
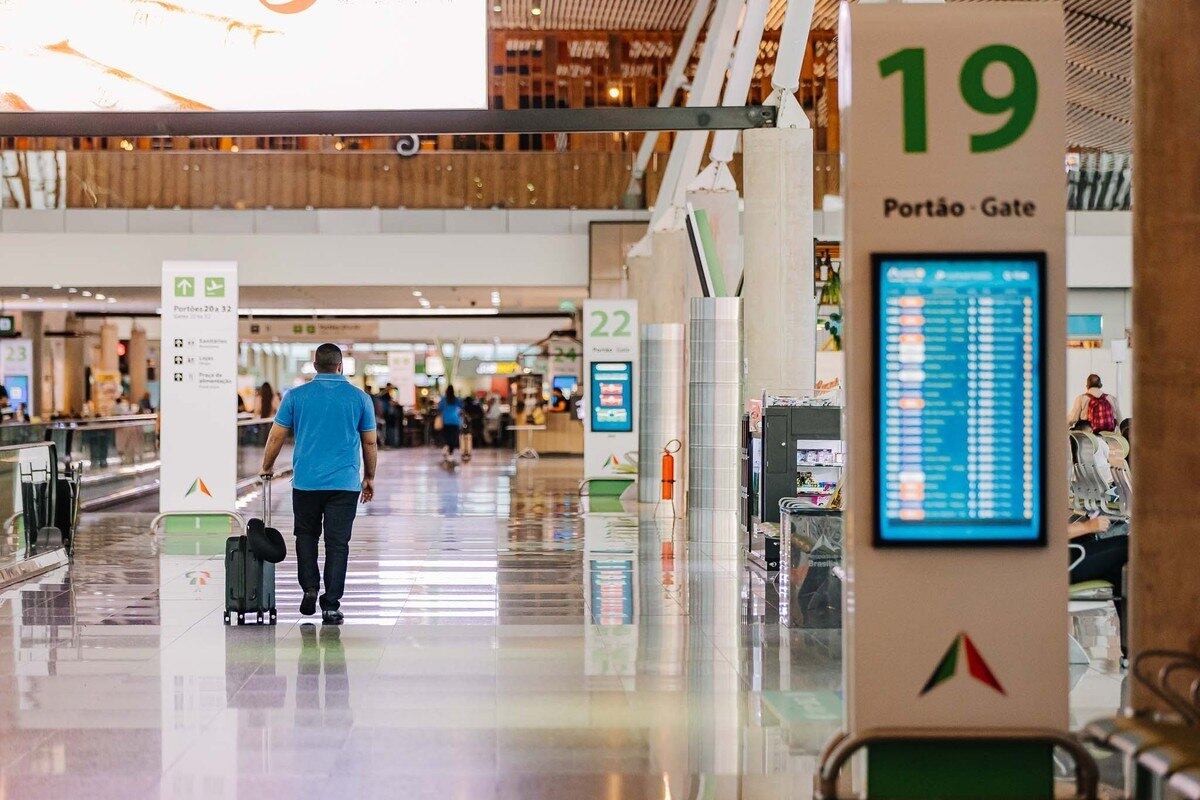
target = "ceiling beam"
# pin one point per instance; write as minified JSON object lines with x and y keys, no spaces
{"x":372,"y":123}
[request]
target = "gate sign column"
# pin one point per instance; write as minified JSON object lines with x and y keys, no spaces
{"x":956,"y":585}
{"x":610,"y":353}
{"x":198,"y":380}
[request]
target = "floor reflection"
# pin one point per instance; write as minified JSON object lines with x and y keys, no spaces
{"x":500,"y":643}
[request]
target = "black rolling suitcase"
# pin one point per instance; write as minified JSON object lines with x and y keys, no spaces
{"x":249,"y":581}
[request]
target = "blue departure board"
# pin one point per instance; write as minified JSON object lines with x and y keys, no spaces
{"x":959,"y":362}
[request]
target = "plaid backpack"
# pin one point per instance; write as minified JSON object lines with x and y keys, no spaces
{"x":1100,"y":414}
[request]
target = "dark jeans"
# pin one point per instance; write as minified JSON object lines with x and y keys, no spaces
{"x":334,"y":510}
{"x":1105,"y":555}
{"x":450,"y":436}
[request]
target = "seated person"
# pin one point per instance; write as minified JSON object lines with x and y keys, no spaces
{"x":1105,"y":554}
{"x":558,"y":402}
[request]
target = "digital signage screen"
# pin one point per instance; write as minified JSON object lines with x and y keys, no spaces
{"x":612,"y":396}
{"x":959,"y":361}
{"x":242,"y":55}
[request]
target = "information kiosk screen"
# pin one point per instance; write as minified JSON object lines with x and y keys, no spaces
{"x":612,"y":396}
{"x":959,"y":358}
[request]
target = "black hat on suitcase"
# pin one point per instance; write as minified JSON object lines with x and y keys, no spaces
{"x":266,"y":543}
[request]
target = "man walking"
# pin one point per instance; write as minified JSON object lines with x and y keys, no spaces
{"x":333,"y":422}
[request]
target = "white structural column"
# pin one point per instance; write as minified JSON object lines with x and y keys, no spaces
{"x":780,"y":310}
{"x":109,"y":359}
{"x":714,"y":190}
{"x":669,"y":269}
{"x":670,"y":257}
{"x":634,"y":194}
{"x":139,"y":363}
{"x":688,"y":149}
{"x":641,"y":284}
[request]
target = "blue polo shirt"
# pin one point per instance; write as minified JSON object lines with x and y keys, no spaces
{"x":326,"y":415}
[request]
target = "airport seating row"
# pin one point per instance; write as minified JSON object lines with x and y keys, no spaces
{"x":1094,"y":489}
{"x":1161,"y":751}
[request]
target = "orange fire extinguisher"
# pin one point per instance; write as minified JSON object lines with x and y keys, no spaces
{"x":668,"y":470}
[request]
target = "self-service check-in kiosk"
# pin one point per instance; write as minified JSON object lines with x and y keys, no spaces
{"x":955,"y":592}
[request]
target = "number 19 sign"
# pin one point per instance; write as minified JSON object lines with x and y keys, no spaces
{"x":953,"y":143}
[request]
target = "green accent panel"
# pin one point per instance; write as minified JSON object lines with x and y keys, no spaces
{"x":191,"y":543}
{"x":952,"y":770}
{"x":608,"y":487}
{"x":796,"y":708}
{"x":716,"y":271}
{"x":197,"y":523}
{"x":605,"y":504}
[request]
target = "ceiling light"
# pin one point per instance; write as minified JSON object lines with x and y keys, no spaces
{"x":41,"y":299}
{"x":416,"y":292}
{"x":536,"y":11}
{"x":614,"y":92}
{"x":234,"y":148}
{"x":56,"y":286}
{"x":112,"y":299}
{"x":86,"y":293}
{"x":24,"y":295}
{"x":72,"y":290}
{"x":99,"y":296}
{"x":497,"y":8}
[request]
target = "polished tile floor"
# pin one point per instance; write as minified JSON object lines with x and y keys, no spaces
{"x":499,"y":644}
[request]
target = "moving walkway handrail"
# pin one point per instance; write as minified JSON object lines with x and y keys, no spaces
{"x":844,"y":745}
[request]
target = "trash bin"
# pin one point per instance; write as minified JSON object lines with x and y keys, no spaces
{"x":810,"y":572}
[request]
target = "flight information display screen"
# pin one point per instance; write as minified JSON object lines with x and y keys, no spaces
{"x":612,"y":396}
{"x":959,"y":364}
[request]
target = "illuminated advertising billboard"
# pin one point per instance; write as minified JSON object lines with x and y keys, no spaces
{"x":242,"y":55}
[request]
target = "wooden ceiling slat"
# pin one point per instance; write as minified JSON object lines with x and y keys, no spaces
{"x":1099,"y":48}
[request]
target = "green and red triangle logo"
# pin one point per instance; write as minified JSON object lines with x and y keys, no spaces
{"x":947,"y":668}
{"x":198,"y":485}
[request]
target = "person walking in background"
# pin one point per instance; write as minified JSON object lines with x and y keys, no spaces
{"x":267,"y":404}
{"x":394,"y":423}
{"x":492,"y":417}
{"x":1096,"y":407}
{"x":450,"y":411}
{"x":383,"y":412}
{"x":333,"y":465}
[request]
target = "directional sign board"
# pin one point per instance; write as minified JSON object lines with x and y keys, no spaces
{"x":954,"y":286}
{"x":199,"y":385}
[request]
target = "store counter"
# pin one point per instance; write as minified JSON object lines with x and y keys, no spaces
{"x":561,"y":435}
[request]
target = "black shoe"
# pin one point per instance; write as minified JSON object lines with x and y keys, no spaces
{"x":332,"y":617}
{"x":308,"y":606}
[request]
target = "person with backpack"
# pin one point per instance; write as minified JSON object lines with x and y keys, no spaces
{"x":1096,"y":407}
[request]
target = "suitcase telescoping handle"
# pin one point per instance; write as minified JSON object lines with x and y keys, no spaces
{"x":266,"y":495}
